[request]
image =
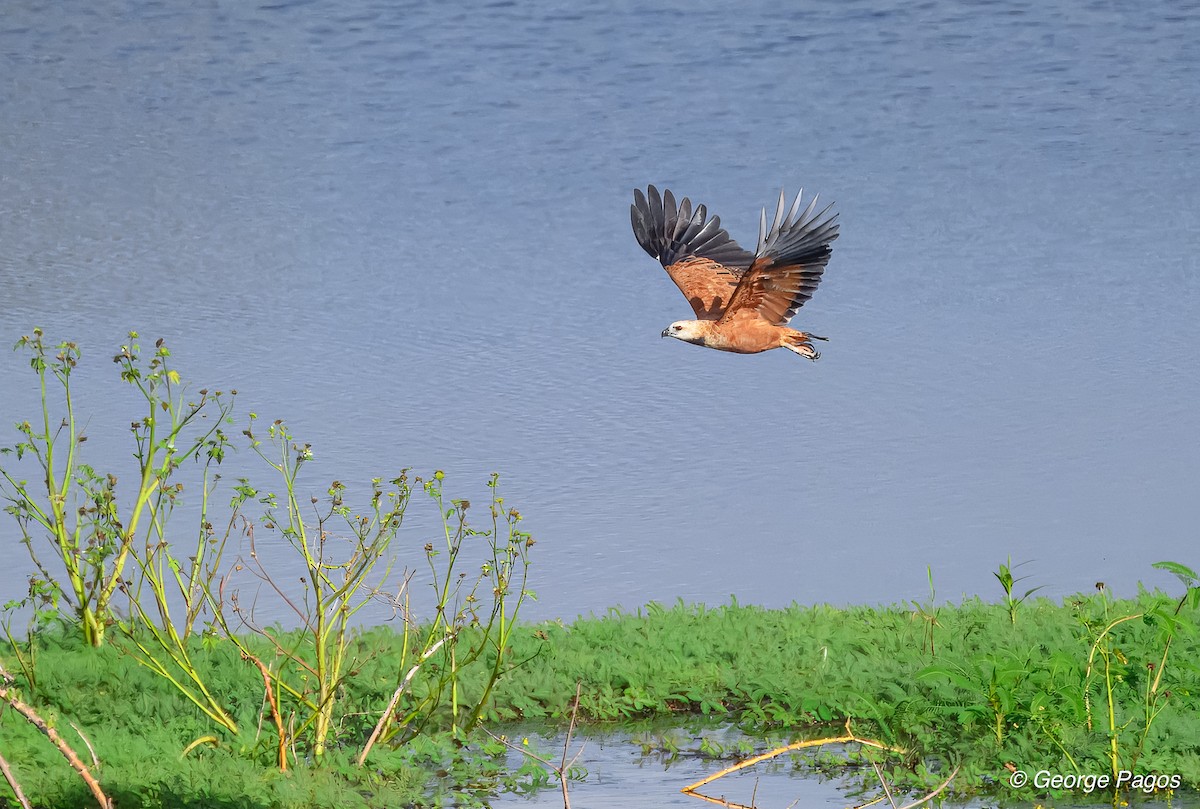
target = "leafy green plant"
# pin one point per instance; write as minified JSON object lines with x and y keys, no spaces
{"x":340,"y":551}
{"x":1126,"y":733}
{"x":75,"y":506}
{"x":1005,"y":576}
{"x":154,"y":633}
{"x":928,"y":615}
{"x":1170,"y":624}
{"x":483,"y":614}
{"x":995,"y":686}
{"x":1114,"y":662}
{"x":42,"y":596}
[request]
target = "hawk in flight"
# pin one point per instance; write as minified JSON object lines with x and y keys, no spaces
{"x":742,"y":300}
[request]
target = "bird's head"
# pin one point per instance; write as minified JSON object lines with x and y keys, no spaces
{"x":690,"y":331}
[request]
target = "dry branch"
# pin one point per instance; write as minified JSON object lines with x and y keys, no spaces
{"x":274,"y":706}
{"x":70,"y":755}
{"x":391,"y":706}
{"x":12,"y":782}
{"x":563,"y":765}
{"x":849,"y":736}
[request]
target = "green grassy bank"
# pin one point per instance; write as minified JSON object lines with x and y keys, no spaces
{"x":149,"y":682}
{"x":1091,"y":685}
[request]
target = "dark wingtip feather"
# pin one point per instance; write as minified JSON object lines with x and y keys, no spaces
{"x":671,"y":232}
{"x":796,"y":239}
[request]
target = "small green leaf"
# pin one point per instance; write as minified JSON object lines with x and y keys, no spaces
{"x":1183,"y":573}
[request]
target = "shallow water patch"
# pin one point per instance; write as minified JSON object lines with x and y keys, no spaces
{"x":633,"y":768}
{"x":622,"y":773}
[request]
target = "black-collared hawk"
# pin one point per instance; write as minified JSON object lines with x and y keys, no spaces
{"x":743,"y":301}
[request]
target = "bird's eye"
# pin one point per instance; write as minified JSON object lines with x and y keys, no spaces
{"x":677,"y":328}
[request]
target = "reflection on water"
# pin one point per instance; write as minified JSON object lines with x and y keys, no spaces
{"x":404,"y":228}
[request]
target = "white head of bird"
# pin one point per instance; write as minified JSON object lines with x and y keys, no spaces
{"x":690,"y":331}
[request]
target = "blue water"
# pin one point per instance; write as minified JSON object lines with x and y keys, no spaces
{"x":404,"y":229}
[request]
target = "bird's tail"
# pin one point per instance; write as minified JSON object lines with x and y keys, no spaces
{"x":801,"y":343}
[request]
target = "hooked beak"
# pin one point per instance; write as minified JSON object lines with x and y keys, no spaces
{"x":665,"y":331}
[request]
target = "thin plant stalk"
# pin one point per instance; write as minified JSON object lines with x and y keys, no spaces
{"x":337,"y":582}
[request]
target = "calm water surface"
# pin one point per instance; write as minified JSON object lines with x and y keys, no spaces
{"x":403,"y":227}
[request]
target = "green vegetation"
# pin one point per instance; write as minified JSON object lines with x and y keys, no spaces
{"x":174,"y":694}
{"x":1007,"y":581}
{"x":77,"y":505}
{"x":1092,"y":685}
{"x":183,"y":621}
{"x":1066,"y":688}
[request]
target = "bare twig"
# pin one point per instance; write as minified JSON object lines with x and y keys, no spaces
{"x":883,"y":781}
{"x":557,"y":769}
{"x":563,"y":765}
{"x":391,"y":706}
{"x":849,"y":736}
{"x":70,"y":755}
{"x":92,"y":750}
{"x":936,"y":792}
{"x":260,"y":572}
{"x":720,"y":801}
{"x":274,"y":705}
{"x":528,"y":754}
{"x":12,"y":782}
{"x":872,"y":802}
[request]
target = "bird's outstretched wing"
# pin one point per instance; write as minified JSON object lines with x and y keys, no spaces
{"x":787,"y":266}
{"x":695,"y":251}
